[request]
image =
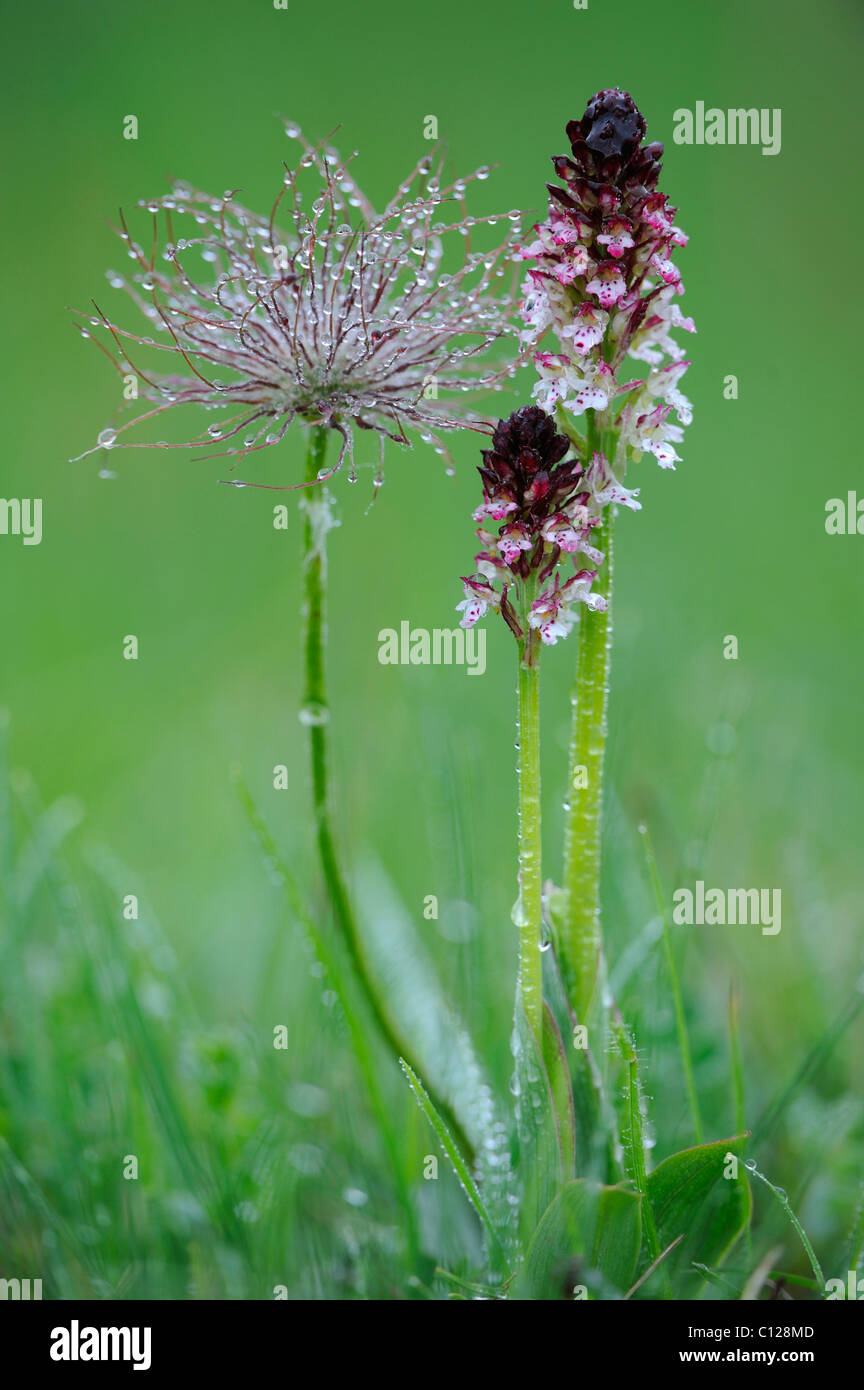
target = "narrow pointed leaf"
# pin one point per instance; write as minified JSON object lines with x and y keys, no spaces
{"x":453,"y":1152}
{"x":540,"y":1170}
{"x":558,"y":1073}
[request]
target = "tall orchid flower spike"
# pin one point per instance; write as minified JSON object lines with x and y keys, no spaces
{"x":603,"y":281}
{"x":548,"y":510}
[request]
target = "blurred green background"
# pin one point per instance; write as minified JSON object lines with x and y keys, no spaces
{"x":747,"y":772}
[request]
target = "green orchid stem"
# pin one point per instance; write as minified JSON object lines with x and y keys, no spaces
{"x":315,"y":714}
{"x":529,"y":906}
{"x":581,"y":938}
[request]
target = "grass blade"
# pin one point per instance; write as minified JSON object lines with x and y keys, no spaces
{"x":735,"y":1058}
{"x":680,"y":1016}
{"x":451,"y":1148}
{"x":821,"y":1050}
{"x":780,"y":1194}
{"x":337,"y":975}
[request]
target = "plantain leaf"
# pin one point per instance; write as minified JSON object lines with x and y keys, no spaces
{"x":691,"y":1195}
{"x":590,"y":1235}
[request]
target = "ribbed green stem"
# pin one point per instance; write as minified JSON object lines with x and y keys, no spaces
{"x":529,"y":907}
{"x":581,"y":937}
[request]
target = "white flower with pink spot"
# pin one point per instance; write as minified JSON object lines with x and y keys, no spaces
{"x":472,"y":610}
{"x":587,"y":331}
{"x":617,"y":236}
{"x":512,"y":541}
{"x":608,"y":284}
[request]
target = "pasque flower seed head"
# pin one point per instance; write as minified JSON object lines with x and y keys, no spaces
{"x":326,"y":311}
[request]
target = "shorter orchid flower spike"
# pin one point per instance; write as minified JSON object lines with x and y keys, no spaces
{"x":547,"y":503}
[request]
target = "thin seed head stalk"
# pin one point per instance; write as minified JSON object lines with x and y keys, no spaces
{"x":604,"y":283}
{"x":542,"y":496}
{"x":327,"y":313}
